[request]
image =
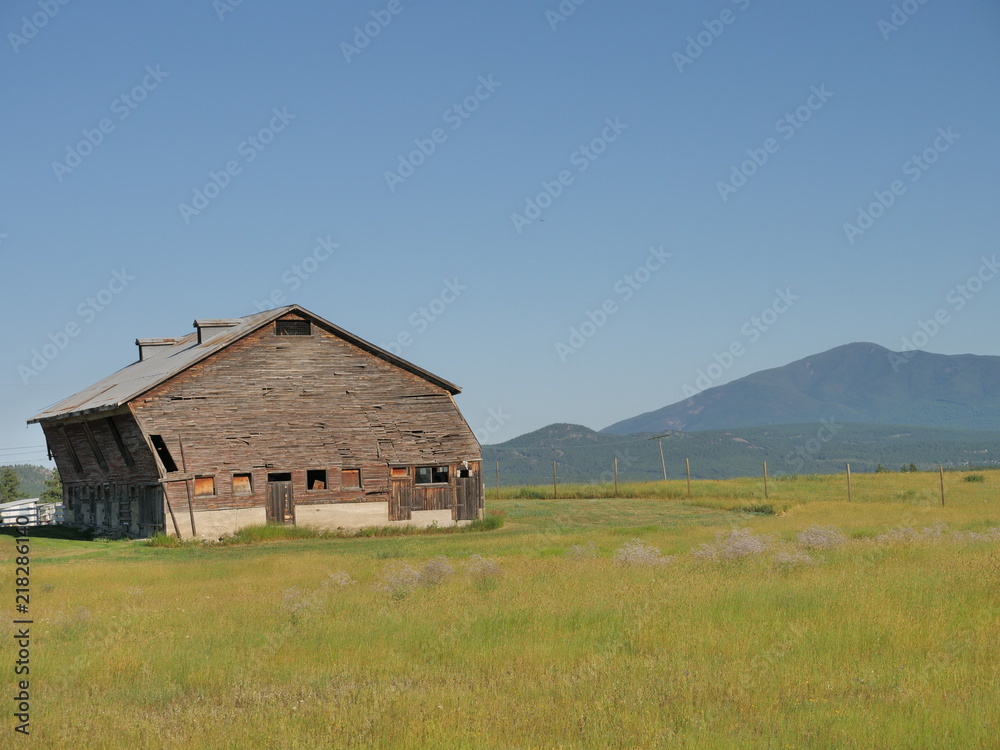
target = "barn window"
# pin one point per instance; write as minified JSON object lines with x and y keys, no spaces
{"x":163,"y":452}
{"x":204,"y":486}
{"x":400,"y":471}
{"x":94,"y":447}
{"x":122,"y":448}
{"x":292,"y":328}
{"x":350,"y":478}
{"x":280,"y":476}
{"x":242,"y":484}
{"x":316,"y":479}
{"x":431,"y":475}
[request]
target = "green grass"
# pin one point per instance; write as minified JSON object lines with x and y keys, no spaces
{"x":279,"y":532}
{"x":503,"y":640}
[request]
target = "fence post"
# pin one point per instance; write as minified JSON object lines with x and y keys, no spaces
{"x":498,"y":480}
{"x":616,"y":476}
{"x":848,"y":483}
{"x":687,"y":465}
{"x":941,"y":473}
{"x":765,"y":480}
{"x":555,"y":486}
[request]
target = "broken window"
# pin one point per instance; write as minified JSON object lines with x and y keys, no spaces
{"x":122,"y":448}
{"x":350,"y":478}
{"x":292,"y":328}
{"x":432,"y":475}
{"x":204,"y":486}
{"x":94,"y":447}
{"x":316,"y":479}
{"x":242,"y":484}
{"x":163,"y":452}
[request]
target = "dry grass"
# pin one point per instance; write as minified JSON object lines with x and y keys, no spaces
{"x":872,"y":624}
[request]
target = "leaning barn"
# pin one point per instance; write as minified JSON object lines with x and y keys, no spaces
{"x":278,"y":417}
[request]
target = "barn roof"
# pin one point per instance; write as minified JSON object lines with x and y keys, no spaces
{"x":130,"y":382}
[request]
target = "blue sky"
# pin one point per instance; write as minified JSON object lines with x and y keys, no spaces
{"x":495,"y":176}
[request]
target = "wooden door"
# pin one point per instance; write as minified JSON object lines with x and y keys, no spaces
{"x":400,"y":498}
{"x":468,"y":498}
{"x":280,"y":503}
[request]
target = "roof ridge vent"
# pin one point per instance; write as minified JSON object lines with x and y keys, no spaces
{"x":151,"y":347}
{"x":209,"y":327}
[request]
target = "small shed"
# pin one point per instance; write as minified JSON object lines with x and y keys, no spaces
{"x":277,"y":417}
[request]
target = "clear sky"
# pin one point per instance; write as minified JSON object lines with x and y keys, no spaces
{"x":572,"y":210}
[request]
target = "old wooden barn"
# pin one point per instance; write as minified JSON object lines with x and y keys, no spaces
{"x":278,"y":417}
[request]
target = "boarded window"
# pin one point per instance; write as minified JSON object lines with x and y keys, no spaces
{"x":350,"y":478}
{"x":163,"y":452}
{"x":204,"y":486}
{"x":122,"y":448}
{"x":316,"y":479}
{"x":400,"y":471}
{"x":292,"y":327}
{"x":242,"y":484}
{"x":431,"y":475}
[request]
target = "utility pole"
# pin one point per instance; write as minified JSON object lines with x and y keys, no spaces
{"x":663,"y":464}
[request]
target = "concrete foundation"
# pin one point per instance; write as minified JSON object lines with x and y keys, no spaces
{"x":213,"y":524}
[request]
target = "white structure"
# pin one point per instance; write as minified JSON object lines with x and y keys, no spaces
{"x":38,"y":514}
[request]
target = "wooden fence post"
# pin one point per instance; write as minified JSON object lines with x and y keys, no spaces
{"x":555,"y":486}
{"x":848,"y":483}
{"x":173,"y":518}
{"x":941,"y":473}
{"x":616,"y":476}
{"x":687,"y":465}
{"x":765,"y":480}
{"x":659,"y":441}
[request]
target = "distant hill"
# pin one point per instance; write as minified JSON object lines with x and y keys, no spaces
{"x":32,"y":478}
{"x":583,"y":455}
{"x":856,"y":383}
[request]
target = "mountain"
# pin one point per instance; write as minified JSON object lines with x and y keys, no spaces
{"x":583,"y":455}
{"x":855,"y":383}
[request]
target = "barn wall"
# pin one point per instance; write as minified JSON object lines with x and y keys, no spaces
{"x":105,"y":498}
{"x":74,"y":431}
{"x":271,"y":403}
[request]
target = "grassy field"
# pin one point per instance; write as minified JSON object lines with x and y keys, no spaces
{"x":644,"y":621}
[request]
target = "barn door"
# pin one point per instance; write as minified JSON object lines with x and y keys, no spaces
{"x":468,"y":498}
{"x":400,"y":498}
{"x":280,"y":501}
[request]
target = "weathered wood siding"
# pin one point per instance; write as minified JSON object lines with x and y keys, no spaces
{"x":269,"y":404}
{"x":143,"y":466}
{"x":109,"y":493}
